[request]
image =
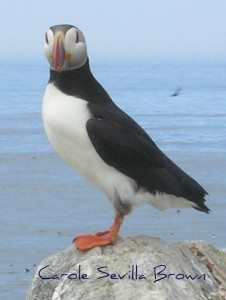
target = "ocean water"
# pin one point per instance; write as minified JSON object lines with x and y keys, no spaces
{"x":44,"y":203}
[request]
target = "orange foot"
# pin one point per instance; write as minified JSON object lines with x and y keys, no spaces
{"x":86,"y":242}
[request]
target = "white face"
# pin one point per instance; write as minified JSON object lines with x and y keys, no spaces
{"x":65,"y":48}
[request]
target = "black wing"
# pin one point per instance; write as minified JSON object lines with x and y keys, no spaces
{"x":124,"y":145}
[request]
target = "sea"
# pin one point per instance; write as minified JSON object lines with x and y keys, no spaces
{"x":44,"y":203}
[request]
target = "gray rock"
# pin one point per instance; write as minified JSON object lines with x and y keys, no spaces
{"x":206,"y":264}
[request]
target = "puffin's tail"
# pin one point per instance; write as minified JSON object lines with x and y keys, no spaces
{"x":202,"y":207}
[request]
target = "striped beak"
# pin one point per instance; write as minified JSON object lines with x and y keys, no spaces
{"x":58,"y":52}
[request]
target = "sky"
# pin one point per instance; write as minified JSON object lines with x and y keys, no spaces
{"x":118,"y":26}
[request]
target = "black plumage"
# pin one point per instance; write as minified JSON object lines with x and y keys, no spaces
{"x":123,"y":144}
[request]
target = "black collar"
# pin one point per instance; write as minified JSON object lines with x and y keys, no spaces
{"x":80,"y":83}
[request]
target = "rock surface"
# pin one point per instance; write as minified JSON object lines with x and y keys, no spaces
{"x":139,"y":257}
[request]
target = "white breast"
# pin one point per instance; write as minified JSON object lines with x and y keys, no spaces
{"x":64,"y":119}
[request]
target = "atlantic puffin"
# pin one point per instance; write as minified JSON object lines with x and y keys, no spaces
{"x":99,"y":140}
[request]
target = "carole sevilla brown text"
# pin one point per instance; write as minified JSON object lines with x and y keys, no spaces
{"x":158,"y":273}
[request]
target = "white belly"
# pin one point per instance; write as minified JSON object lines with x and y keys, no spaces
{"x":65,"y":119}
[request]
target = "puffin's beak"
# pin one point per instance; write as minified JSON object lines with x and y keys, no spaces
{"x":58,"y":53}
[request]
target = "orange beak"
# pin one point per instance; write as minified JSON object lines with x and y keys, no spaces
{"x":58,"y":53}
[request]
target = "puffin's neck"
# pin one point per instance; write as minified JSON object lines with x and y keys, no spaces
{"x":80,"y":83}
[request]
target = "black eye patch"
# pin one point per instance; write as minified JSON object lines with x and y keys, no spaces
{"x":77,"y":38}
{"x":46,"y":37}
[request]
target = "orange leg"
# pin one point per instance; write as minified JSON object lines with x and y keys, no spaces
{"x":86,"y":242}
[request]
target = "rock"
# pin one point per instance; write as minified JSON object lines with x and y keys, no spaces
{"x":199,"y":272}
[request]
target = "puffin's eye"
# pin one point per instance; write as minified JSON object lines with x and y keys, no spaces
{"x":46,"y":37}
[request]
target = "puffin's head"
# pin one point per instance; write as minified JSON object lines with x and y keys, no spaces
{"x":65,"y":47}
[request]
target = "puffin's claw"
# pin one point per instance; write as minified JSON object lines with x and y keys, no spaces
{"x":86,"y":242}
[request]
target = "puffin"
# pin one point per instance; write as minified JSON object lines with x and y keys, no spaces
{"x":103,"y":143}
